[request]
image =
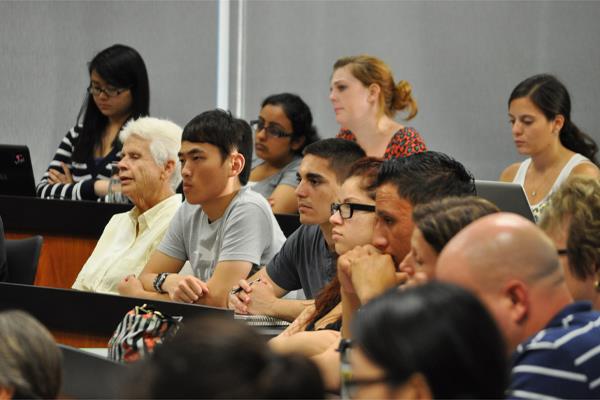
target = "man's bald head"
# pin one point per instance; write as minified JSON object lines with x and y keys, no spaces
{"x":499,"y":247}
{"x":514,"y":269}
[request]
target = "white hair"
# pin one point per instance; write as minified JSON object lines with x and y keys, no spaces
{"x":164,"y":137}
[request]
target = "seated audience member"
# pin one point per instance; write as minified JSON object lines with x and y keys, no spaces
{"x":424,"y":343}
{"x":216,"y":358}
{"x":30,"y":360}
{"x":401,"y":185}
{"x":283,"y":129}
{"x":513,"y":267}
{"x":3,"y":265}
{"x":365,"y":99}
{"x":223,"y":229}
{"x":353,"y":220}
{"x":539,"y":109}
{"x":306,"y":260}
{"x":149,"y":172}
{"x":572,"y":220}
{"x":118,"y":92}
{"x":436,"y":223}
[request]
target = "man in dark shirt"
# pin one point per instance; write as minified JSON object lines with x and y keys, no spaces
{"x":306,"y":260}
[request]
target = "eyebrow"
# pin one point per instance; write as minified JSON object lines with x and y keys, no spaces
{"x":352,"y":199}
{"x":190,"y":153}
{"x":312,"y":175}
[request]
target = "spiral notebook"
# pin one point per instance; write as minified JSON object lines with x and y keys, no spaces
{"x":260,"y":320}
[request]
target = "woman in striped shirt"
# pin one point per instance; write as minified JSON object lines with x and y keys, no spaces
{"x":118,"y":91}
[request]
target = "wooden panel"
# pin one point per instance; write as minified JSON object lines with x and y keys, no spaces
{"x":80,"y":340}
{"x":61,"y":258}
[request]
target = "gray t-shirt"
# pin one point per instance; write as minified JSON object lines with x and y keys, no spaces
{"x":247,"y":231}
{"x":286,"y":176}
{"x":304,"y":262}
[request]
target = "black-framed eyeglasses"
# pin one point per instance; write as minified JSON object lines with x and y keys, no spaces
{"x":110,"y":91}
{"x":562,"y":252}
{"x":348,"y":384}
{"x":347,"y":209}
{"x":272,"y":130}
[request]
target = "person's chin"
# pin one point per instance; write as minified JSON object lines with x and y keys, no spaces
{"x":306,"y":219}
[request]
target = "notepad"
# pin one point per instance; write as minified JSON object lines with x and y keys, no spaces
{"x":260,"y":320}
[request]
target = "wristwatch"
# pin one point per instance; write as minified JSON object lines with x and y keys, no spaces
{"x":158,"y":282}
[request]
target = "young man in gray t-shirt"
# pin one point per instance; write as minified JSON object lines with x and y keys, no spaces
{"x":223,"y":229}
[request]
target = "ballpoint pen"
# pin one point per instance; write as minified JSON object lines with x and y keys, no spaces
{"x":239,"y":289}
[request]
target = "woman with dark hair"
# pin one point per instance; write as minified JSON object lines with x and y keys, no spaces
{"x":432,"y":341}
{"x":539,"y":109}
{"x":435,"y":223}
{"x":118,"y":91}
{"x":365,"y":99}
{"x":283,"y":129}
{"x":353,"y":222}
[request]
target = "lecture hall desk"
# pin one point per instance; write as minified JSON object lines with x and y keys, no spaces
{"x":70,"y":230}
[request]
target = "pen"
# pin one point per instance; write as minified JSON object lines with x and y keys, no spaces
{"x":239,"y":289}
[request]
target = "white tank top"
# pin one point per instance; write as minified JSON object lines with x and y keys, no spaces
{"x":537,"y":209}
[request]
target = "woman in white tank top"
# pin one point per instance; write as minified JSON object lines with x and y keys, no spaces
{"x":539,"y":109}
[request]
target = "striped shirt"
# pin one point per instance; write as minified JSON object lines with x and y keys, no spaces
{"x":84,"y":174}
{"x":562,"y":360}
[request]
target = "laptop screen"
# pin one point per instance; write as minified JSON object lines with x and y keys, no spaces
{"x":16,"y":172}
{"x":508,"y":197}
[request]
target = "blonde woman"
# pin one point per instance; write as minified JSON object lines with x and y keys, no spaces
{"x":365,"y":99}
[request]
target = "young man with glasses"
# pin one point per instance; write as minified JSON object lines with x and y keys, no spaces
{"x":306,"y":260}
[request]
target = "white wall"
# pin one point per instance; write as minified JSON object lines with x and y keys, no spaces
{"x":45,"y":47}
{"x":462,"y":57}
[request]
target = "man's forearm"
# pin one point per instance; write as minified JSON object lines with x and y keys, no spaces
{"x":350,"y":304}
{"x":289,"y":310}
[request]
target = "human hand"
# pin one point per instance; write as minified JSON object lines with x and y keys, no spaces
{"x":257,"y":297}
{"x":238,"y":297}
{"x":130,"y":286}
{"x":54,"y":176}
{"x":370,"y":272}
{"x":185,"y":289}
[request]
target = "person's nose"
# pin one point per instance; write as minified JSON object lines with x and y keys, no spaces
{"x":336,"y":218}
{"x":379,"y":239}
{"x":261,"y":134}
{"x":301,"y":190}
{"x":517,"y":129}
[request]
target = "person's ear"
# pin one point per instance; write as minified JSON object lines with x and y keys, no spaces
{"x":297,"y":143}
{"x":374,"y":91}
{"x":517,"y":295}
{"x":558,"y":123}
{"x":415,"y":387}
{"x":167,"y":170}
{"x":237,"y":163}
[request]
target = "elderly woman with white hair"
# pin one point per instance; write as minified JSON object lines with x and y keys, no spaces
{"x":149,"y":173}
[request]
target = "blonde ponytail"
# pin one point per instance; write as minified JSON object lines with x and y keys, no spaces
{"x":403,"y":100}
